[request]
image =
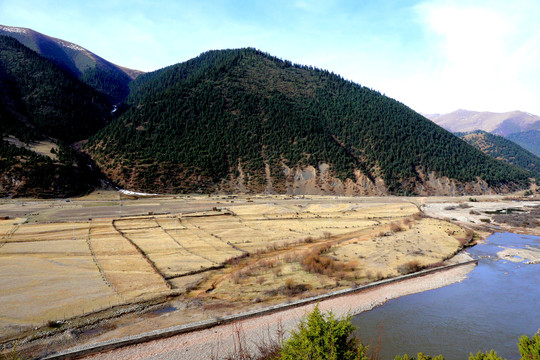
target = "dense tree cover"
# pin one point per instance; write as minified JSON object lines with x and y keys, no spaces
{"x":194,"y":124}
{"x":50,"y":100}
{"x":529,"y":140}
{"x":39,"y":100}
{"x":112,"y":82}
{"x":26,"y":173}
{"x":503,"y":149}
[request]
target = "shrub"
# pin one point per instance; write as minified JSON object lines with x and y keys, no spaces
{"x":322,"y":336}
{"x":409,"y":267}
{"x":407,"y":222}
{"x":289,"y":289}
{"x":530,"y":348}
{"x":418,"y":216}
{"x":289,"y":283}
{"x":395,"y":227}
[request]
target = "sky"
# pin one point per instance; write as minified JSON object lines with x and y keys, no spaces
{"x":435,"y":56}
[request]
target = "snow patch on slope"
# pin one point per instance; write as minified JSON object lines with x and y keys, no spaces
{"x":13,"y":29}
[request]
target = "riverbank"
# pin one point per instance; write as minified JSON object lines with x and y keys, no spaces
{"x":350,"y":242}
{"x":212,"y":342}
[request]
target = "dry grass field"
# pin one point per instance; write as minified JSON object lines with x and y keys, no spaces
{"x":66,"y":259}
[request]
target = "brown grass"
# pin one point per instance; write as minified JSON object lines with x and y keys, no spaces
{"x":314,"y":262}
{"x":308,"y":240}
{"x":395,"y":227}
{"x":418,"y":216}
{"x":469,"y":234}
{"x":235,"y":260}
{"x":409,"y":267}
{"x":267,"y":347}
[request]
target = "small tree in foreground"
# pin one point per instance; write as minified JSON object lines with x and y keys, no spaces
{"x":530,"y":348}
{"x":322,"y":336}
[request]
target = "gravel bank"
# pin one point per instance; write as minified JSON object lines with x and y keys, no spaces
{"x":216,"y":342}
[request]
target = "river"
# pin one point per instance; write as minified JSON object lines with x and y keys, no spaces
{"x":491,"y":309}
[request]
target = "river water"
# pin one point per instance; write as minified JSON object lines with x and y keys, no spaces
{"x":491,"y":309}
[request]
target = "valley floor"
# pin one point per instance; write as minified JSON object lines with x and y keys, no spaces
{"x":105,"y":266}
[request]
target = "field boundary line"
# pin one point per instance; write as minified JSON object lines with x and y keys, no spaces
{"x":101,"y":270}
{"x":220,"y":239}
{"x":194,"y":229}
{"x":179,"y":244}
{"x":150,"y":262}
{"x":9,"y":234}
{"x":206,"y":324}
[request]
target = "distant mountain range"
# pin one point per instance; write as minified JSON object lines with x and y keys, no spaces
{"x":229,"y":121}
{"x":521,"y":127}
{"x":496,"y":123}
{"x":104,"y":76}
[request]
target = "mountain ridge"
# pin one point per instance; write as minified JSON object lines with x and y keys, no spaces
{"x":101,"y":74}
{"x":236,"y":120}
{"x":496,"y":123}
{"x":40,"y":101}
{"x":276,"y":120}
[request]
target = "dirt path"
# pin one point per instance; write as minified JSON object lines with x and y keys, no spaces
{"x":217,"y":342}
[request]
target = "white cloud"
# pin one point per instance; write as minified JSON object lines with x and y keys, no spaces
{"x":487,"y":56}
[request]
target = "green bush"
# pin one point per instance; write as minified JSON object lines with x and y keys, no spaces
{"x":530,"y":348}
{"x":492,"y":355}
{"x":322,"y":336}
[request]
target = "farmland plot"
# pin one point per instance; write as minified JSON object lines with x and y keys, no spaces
{"x":55,"y":277}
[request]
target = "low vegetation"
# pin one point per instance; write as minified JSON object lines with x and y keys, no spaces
{"x":322,"y":336}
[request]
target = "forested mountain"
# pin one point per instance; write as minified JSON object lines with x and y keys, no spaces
{"x":496,"y":123}
{"x":51,"y":100}
{"x":529,"y":140}
{"x":39,"y":100}
{"x":241,"y":119}
{"x":503,"y":149}
{"x":93,"y":70}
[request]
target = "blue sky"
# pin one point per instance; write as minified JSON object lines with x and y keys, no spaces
{"x":432,"y":55}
